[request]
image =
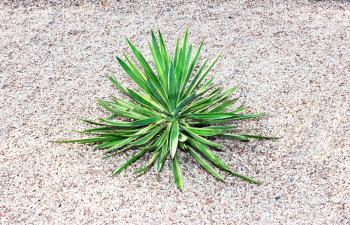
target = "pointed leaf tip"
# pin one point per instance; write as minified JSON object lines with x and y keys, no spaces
{"x":177,"y":173}
{"x":174,"y":138}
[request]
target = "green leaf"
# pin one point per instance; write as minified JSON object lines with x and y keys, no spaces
{"x":217,"y":161}
{"x":154,"y":92}
{"x":215,"y":100}
{"x":259,"y":137}
{"x":184,"y":76}
{"x":236,"y":136}
{"x":204,"y":150}
{"x":128,"y":114}
{"x":191,"y":68}
{"x":148,"y":71}
{"x":249,"y":116}
{"x":221,"y":107}
{"x":86,"y":141}
{"x":246,"y":137}
{"x":153,"y":79}
{"x":209,"y":131}
{"x":172,"y":88}
{"x":110,"y":143}
{"x":212,"y":116}
{"x":204,"y":164}
{"x":177,"y":173}
{"x":139,"y":80}
{"x":181,"y":108}
{"x":147,"y":137}
{"x":144,"y":100}
{"x":200,"y":77}
{"x":164,"y":148}
{"x":165,"y":56}
{"x":158,"y":60}
{"x":137,"y":156}
{"x":185,"y":102}
{"x":194,"y":82}
{"x":118,"y":85}
{"x":174,"y":138}
{"x":201,"y":139}
{"x":136,"y":123}
{"x":202,"y":102}
{"x":144,"y":168}
{"x":136,"y":108}
{"x":120,"y":144}
{"x":92,"y":122}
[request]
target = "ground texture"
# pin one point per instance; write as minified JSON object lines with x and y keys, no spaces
{"x":290,"y":59}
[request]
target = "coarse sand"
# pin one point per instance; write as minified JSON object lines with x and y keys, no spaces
{"x":291,"y":59}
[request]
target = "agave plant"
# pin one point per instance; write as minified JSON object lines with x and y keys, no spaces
{"x":176,"y":108}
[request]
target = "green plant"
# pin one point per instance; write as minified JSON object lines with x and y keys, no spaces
{"x":175,"y":109}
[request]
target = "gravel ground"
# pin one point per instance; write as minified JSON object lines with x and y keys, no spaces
{"x":290,"y":59}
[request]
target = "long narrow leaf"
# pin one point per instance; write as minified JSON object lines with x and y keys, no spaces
{"x":204,"y":164}
{"x":130,"y":161}
{"x":177,"y":173}
{"x":174,"y":138}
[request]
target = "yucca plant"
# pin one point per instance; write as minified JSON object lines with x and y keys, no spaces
{"x":176,"y":108}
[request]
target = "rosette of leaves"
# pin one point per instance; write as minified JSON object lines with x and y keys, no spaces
{"x":176,"y":108}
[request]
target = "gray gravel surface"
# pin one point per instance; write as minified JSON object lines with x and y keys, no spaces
{"x":290,"y":59}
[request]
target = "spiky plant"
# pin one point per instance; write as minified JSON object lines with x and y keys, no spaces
{"x":175,"y":109}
